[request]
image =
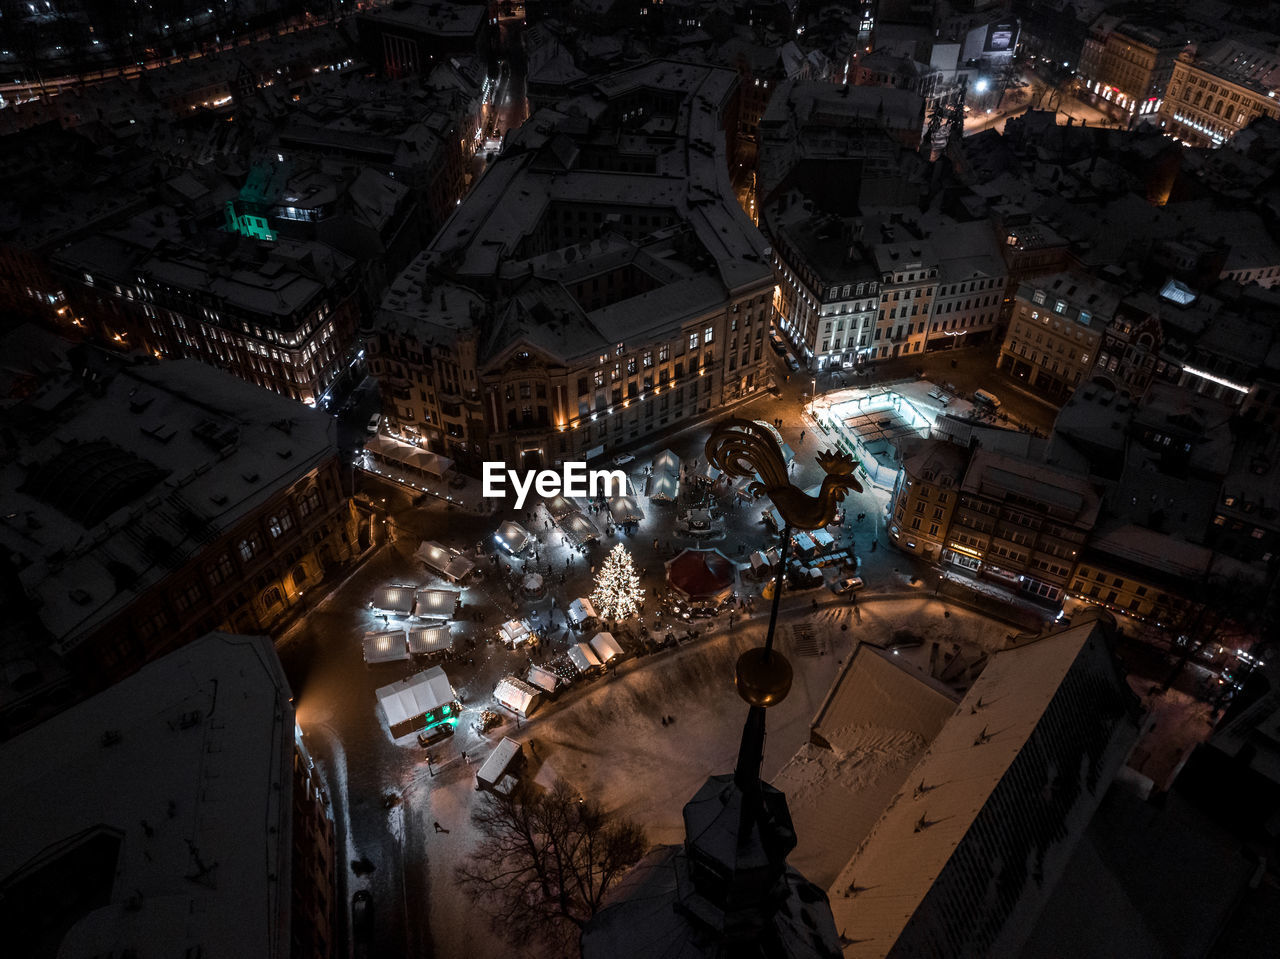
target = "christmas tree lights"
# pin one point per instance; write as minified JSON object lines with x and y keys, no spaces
{"x":617,"y":594}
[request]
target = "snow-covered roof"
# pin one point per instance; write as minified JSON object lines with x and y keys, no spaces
{"x":385,"y":647}
{"x":166,"y":459}
{"x":878,"y":892}
{"x":184,"y":734}
{"x":436,"y":603}
{"x":514,"y":693}
{"x":605,"y":646}
{"x":581,"y":609}
{"x":430,"y":639}
{"x":415,"y":696}
{"x":876,"y":721}
{"x":394,"y":599}
{"x":583,"y":657}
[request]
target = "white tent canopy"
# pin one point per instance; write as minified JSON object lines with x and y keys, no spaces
{"x":605,"y":646}
{"x":412,"y":698}
{"x":559,"y":506}
{"x":388,"y":647}
{"x":517,"y":695}
{"x":822,"y":539}
{"x":581,"y":610}
{"x":583,"y":657}
{"x":406,"y":456}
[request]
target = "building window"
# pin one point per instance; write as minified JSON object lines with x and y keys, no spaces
{"x":1038,"y":297}
{"x":249,"y":547}
{"x":272,"y":598}
{"x":310,"y":501}
{"x":280,"y":524}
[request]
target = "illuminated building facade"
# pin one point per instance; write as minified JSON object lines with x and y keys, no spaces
{"x":592,"y":289}
{"x":1129,"y":65}
{"x":1056,"y":331}
{"x":1021,"y":523}
{"x":925,"y":497}
{"x":173,"y":499}
{"x":1220,"y":92}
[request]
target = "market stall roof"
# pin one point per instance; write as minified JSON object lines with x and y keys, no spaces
{"x":449,"y":563}
{"x":605,"y":646}
{"x":707,"y":471}
{"x":578,"y":528}
{"x":701,"y":574}
{"x":665,"y":482}
{"x":512,"y":536}
{"x":515,"y":631}
{"x":436,"y":603}
{"x":583,"y":657}
{"x":414,"y":697}
{"x":517,"y":695}
{"x":803,"y":543}
{"x":386,"y":647}
{"x":394,"y":599}
{"x":393,"y":451}
{"x":759,"y":559}
{"x":559,"y":506}
{"x":700,"y":518}
{"x":822,"y":539}
{"x":430,"y":639}
{"x":581,"y":609}
{"x":544,"y":679}
{"x":625,"y":509}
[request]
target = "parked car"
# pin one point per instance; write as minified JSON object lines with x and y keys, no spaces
{"x":362,"y":916}
{"x":778,"y":343}
{"x":622,"y":459}
{"x":849,"y":584}
{"x":792,"y":363}
{"x":372,"y":425}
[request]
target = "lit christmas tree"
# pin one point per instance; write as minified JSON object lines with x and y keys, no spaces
{"x":617,"y":594}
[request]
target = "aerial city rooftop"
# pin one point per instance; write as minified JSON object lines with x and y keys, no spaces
{"x":923,"y":359}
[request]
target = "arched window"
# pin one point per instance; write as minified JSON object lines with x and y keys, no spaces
{"x":299,"y":576}
{"x":272,"y":598}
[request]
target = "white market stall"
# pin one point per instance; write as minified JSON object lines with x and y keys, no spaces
{"x":625,"y":509}
{"x":822,"y":539}
{"x":581,"y":610}
{"x":386,"y":647}
{"x":449,"y":563}
{"x":423,"y":701}
{"x":544,"y":679}
{"x":394,"y":599}
{"x":578,"y":528}
{"x":606,"y":647}
{"x":512,"y":537}
{"x":428,"y":640}
{"x":559,"y":506}
{"x":436,"y":603}
{"x":514,"y":632}
{"x":664,"y":484}
{"x":516,"y":695}
{"x":583,"y":658}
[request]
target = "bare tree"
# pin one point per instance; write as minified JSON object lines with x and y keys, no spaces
{"x":546,"y":861}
